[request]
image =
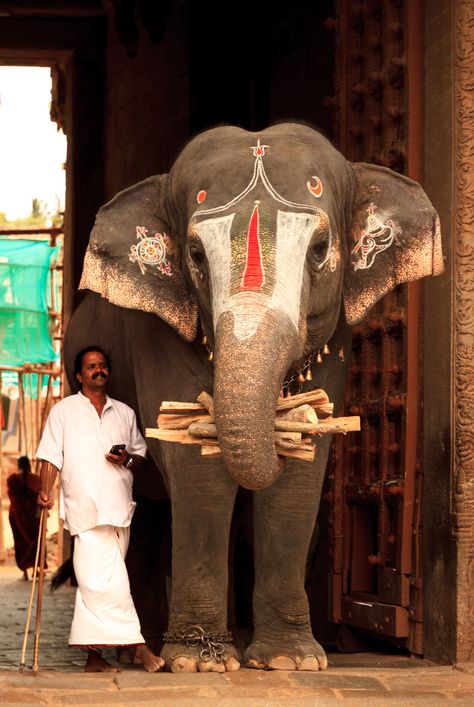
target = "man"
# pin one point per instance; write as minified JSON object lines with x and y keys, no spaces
{"x":97,"y":507}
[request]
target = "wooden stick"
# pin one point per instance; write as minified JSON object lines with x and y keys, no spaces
{"x":206,"y":400}
{"x":211,"y":452}
{"x":206,"y":429}
{"x":39,"y":600}
{"x":173,"y":406}
{"x":203,"y":429}
{"x":291,"y":426}
{"x":286,"y":443}
{"x":204,"y":434}
{"x":312,"y":397}
{"x":318,"y":399}
{"x":332,"y":425}
{"x":30,"y":368}
{"x":44,"y":415}
{"x":302,"y":413}
{"x":324,"y":410}
{"x":306,"y":453}
{"x":289,"y":436}
{"x":181,"y":422}
{"x":32,"y":593}
{"x":198,"y":430}
{"x":180,"y":436}
{"x":210,"y":442}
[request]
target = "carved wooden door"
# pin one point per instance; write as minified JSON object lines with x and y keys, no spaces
{"x":375,"y":484}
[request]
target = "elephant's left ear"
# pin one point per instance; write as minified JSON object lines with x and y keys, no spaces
{"x":394,"y":237}
{"x":132,"y":260}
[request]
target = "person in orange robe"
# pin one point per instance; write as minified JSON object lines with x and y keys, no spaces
{"x":23,"y":487}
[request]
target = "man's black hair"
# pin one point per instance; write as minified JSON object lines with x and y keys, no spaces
{"x":89,"y":349}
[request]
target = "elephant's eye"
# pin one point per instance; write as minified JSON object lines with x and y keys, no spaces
{"x":197,"y":255}
{"x":318,"y":250}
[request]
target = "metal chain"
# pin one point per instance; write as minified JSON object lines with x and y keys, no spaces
{"x":212,"y":645}
{"x":295,"y":376}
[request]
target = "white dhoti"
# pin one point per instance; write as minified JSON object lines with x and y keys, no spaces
{"x":104,"y":613}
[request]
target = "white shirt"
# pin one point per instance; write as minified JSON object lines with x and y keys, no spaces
{"x":75,"y":439}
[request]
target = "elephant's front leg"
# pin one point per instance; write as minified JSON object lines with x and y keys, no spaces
{"x":284,"y":517}
{"x":202,"y":495}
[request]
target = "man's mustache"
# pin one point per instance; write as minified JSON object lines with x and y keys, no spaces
{"x":99,"y":375}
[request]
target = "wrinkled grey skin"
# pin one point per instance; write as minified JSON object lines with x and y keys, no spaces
{"x":259,"y":330}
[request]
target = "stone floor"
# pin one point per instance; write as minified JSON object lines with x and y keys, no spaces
{"x":356,"y":679}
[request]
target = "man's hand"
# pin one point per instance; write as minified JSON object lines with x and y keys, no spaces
{"x":132,"y":462}
{"x":118,"y":459}
{"x":44,"y":500}
{"x":48,"y":474}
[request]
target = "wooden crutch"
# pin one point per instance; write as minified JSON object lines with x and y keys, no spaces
{"x":32,"y":593}
{"x":39,"y":600}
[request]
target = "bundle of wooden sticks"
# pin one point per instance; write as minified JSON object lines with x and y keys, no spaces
{"x":298,"y":419}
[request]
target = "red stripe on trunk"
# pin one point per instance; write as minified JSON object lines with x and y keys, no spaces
{"x":253,"y":275}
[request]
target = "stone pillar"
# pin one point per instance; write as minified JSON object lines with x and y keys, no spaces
{"x":449,"y":335}
{"x":463,"y":316}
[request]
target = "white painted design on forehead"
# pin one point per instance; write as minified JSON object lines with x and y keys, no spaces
{"x":293,"y":235}
{"x":215,"y":237}
{"x":258,"y":174}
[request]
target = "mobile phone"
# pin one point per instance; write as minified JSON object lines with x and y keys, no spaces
{"x":117,"y":449}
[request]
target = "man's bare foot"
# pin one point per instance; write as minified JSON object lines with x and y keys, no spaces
{"x":97,"y":664}
{"x":151,"y":661}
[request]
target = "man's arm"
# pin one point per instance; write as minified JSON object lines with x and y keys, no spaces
{"x":48,"y":474}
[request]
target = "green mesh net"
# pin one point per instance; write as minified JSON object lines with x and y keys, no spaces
{"x":25,"y":293}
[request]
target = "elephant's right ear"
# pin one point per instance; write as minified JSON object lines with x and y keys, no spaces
{"x":132,"y":261}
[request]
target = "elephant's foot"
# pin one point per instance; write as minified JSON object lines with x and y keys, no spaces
{"x":302,"y":655}
{"x":197,"y":652}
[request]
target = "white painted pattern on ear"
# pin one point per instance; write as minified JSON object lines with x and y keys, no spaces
{"x":378,"y":235}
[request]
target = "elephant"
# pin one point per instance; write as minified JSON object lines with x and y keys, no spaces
{"x":256,"y":250}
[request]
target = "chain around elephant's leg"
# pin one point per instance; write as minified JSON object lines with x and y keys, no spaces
{"x":204,"y":652}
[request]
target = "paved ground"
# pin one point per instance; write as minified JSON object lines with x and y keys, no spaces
{"x":357,"y":679}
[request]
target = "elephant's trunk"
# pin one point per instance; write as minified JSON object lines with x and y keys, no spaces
{"x":248,"y":376}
